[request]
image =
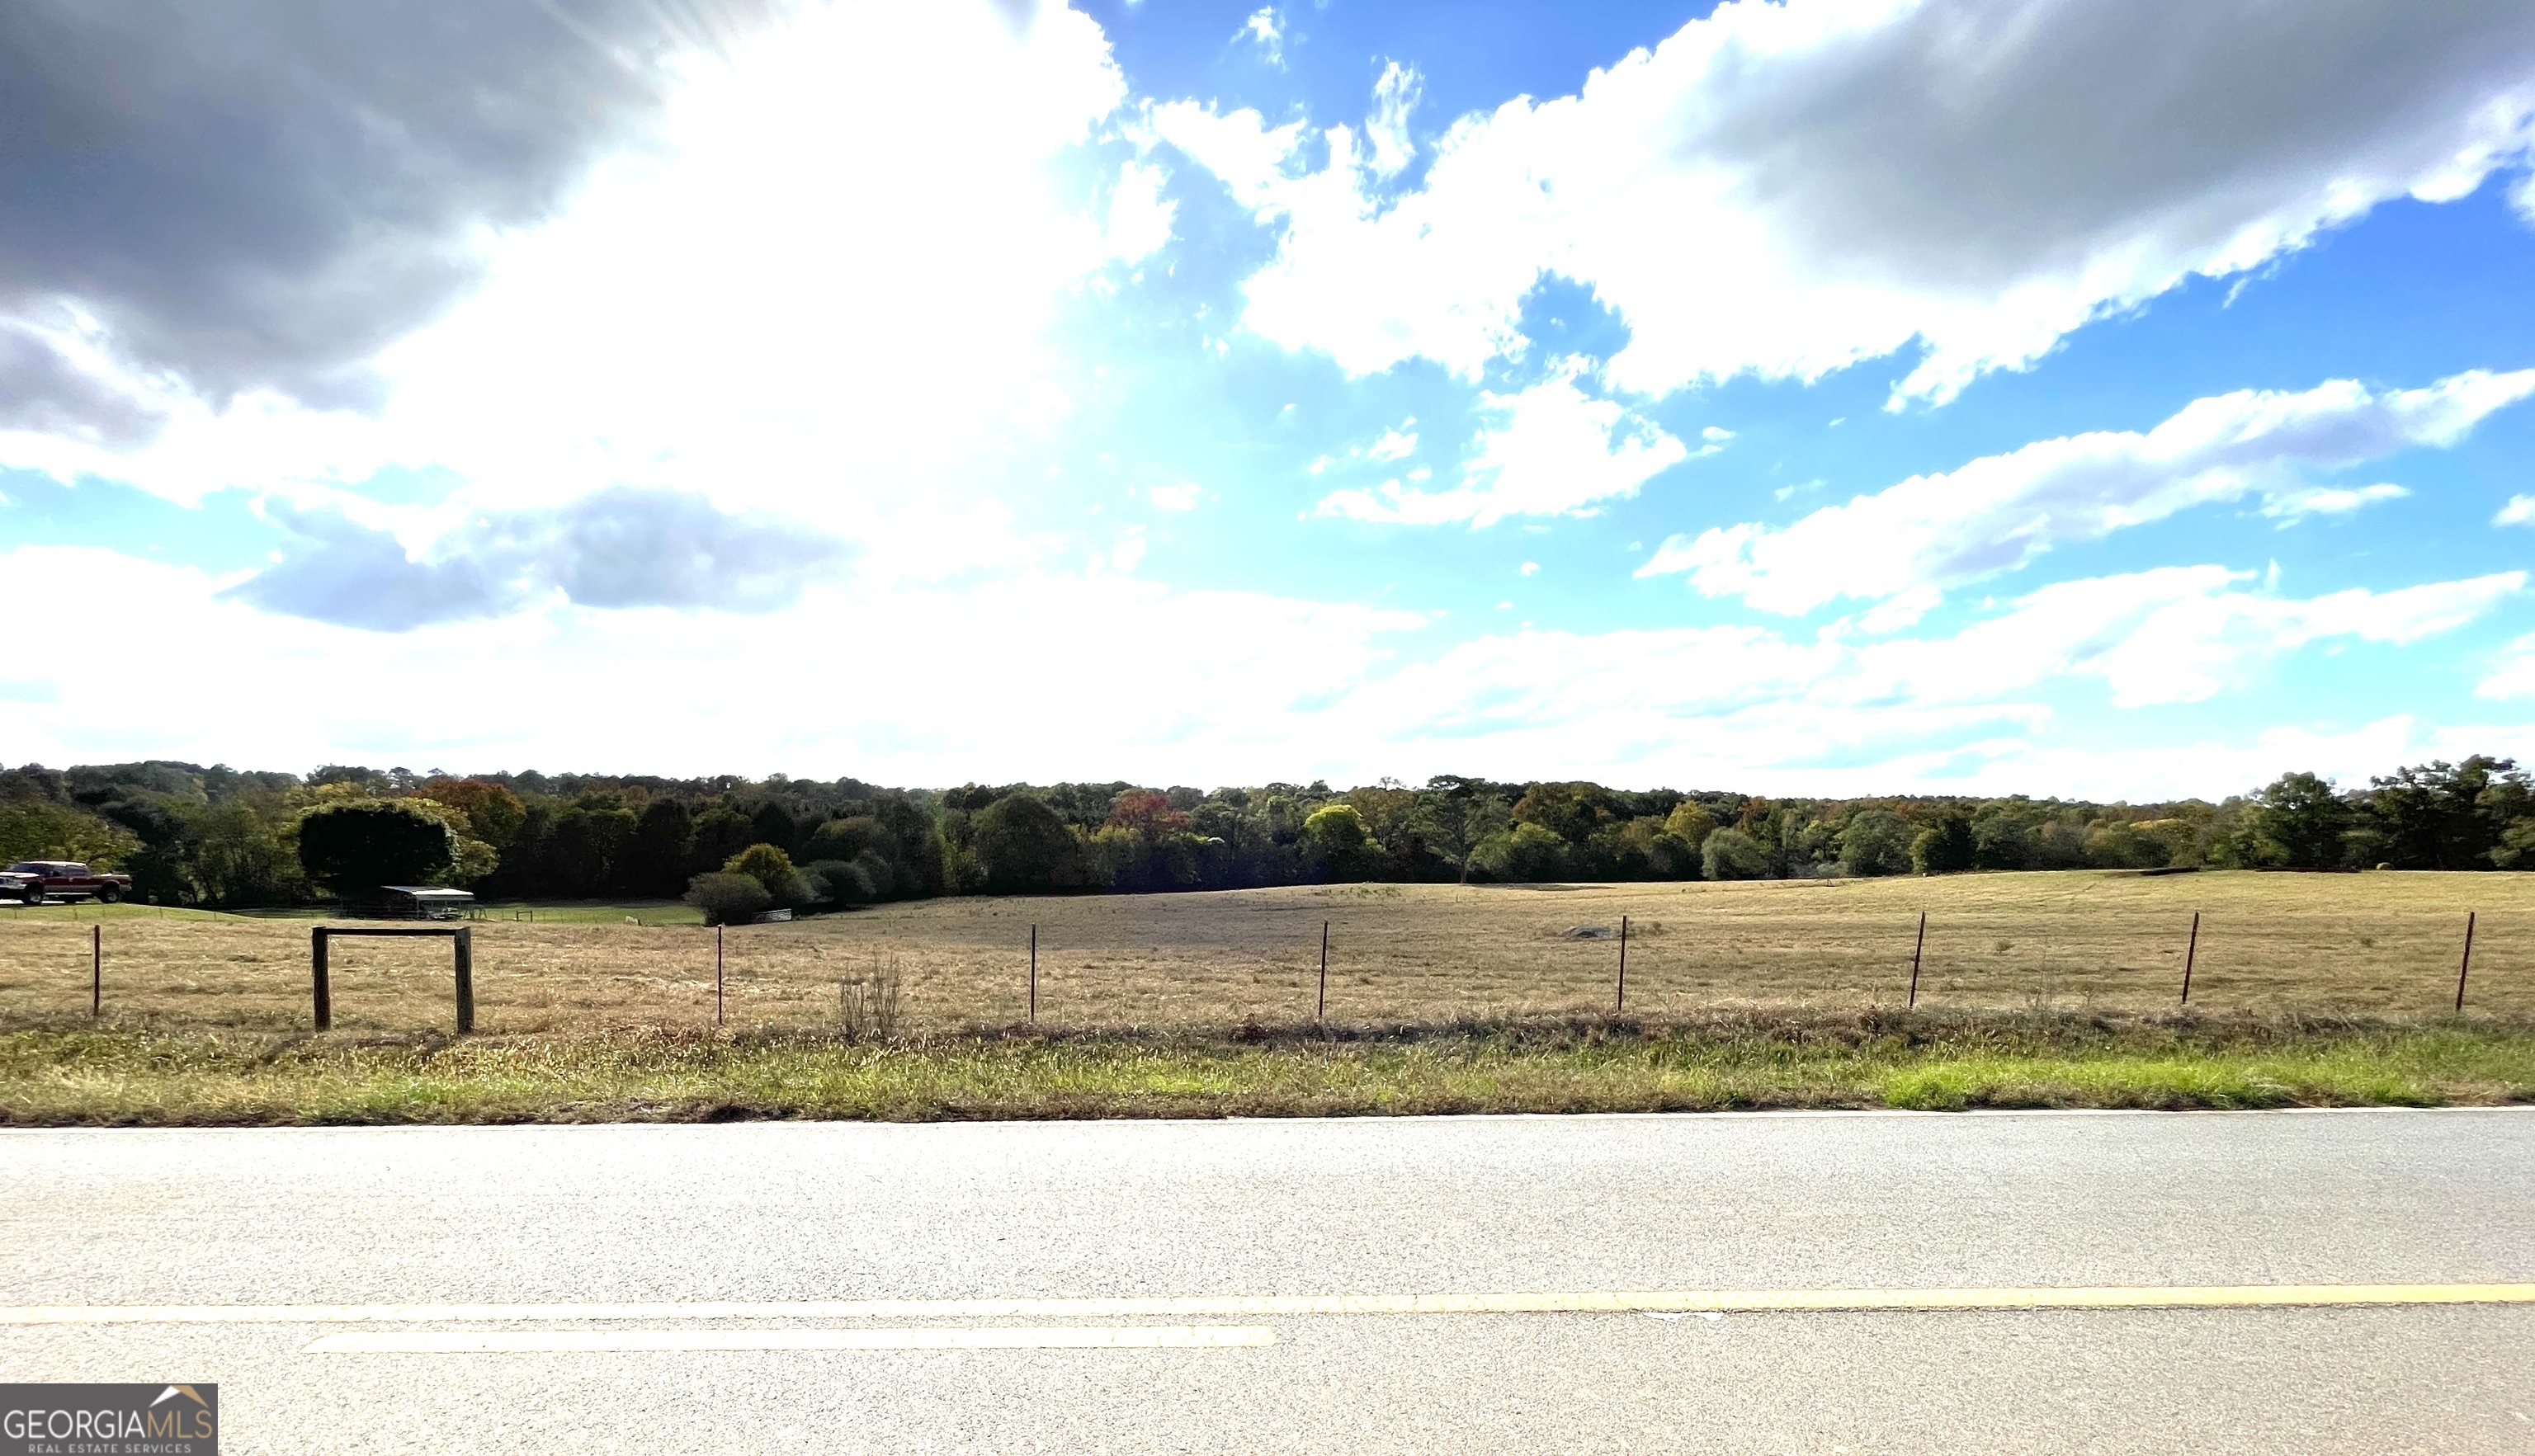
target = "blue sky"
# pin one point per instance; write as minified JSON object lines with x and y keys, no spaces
{"x":2032,"y":396}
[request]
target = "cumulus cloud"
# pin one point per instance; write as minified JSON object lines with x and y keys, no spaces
{"x":2513,"y":675}
{"x":760,"y":303}
{"x":1174,"y":496}
{"x":224,"y":196}
{"x":2000,"y":512}
{"x":618,"y":549}
{"x":1550,"y":450}
{"x":1266,"y":30}
{"x":1791,"y":189}
{"x":2520,"y":511}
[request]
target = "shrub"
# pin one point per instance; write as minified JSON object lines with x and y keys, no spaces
{"x":728,"y":899}
{"x":840,"y":882}
{"x":769,"y":867}
{"x":1731,"y":854}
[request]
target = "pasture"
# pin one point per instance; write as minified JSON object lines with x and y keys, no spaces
{"x":2377,"y":945}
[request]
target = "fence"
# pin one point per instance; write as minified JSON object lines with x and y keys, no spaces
{"x":1372,"y":955}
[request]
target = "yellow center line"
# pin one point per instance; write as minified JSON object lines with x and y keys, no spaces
{"x":1658,"y":1301}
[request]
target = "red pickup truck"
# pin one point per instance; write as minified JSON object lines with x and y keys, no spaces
{"x":33,"y":882}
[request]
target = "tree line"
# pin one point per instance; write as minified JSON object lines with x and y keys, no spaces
{"x":219,"y":836}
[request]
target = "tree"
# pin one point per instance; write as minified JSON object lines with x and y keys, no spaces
{"x":1023,"y":847}
{"x":1945,"y":846}
{"x":1731,"y":854}
{"x":493,"y":813}
{"x":355,"y":845}
{"x":656,"y":858}
{"x":2441,"y":815}
{"x":721,"y":832}
{"x":1525,"y":854}
{"x":583,"y":846}
{"x":1874,"y":841}
{"x":727,"y":899}
{"x":1691,"y":824}
{"x":770,"y":867}
{"x":2300,"y":822}
{"x":1340,"y":846}
{"x":773,"y":824}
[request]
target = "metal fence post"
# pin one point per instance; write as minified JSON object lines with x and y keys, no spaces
{"x":1033,"y":976}
{"x":2466,"y":966}
{"x":1920,"y":946}
{"x":1621,"y":1002}
{"x":1320,"y":1007}
{"x":317,"y":967}
{"x":95,"y":971}
{"x":466,"y":939}
{"x":718,"y":932}
{"x":2191,"y":953}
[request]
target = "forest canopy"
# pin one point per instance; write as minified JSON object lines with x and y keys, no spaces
{"x":219,"y":836}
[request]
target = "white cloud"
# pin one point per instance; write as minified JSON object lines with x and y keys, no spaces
{"x":1530,"y":569}
{"x":767,"y":309}
{"x":1266,"y":28}
{"x":1551,"y":449}
{"x":2290,"y":507}
{"x":1792,"y":189}
{"x":1265,"y":687}
{"x":2514,"y":676}
{"x":1174,"y":496}
{"x":2520,"y":511}
{"x":1715,"y":434}
{"x":1393,"y":445}
{"x":2000,"y":512}
{"x":1395,"y":95}
{"x":2172,"y":634}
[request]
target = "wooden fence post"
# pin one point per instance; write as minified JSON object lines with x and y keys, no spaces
{"x":466,"y":939}
{"x":317,"y":967}
{"x":1320,"y":1008}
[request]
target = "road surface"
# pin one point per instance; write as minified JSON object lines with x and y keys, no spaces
{"x":1026,"y":1261}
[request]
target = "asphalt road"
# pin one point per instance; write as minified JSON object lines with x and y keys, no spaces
{"x":776,"y":1213}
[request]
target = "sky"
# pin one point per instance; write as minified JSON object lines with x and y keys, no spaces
{"x":2109,"y":398}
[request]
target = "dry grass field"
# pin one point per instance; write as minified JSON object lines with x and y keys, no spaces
{"x":2380,"y":944}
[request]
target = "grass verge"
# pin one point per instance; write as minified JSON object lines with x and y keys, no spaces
{"x":56,"y":1075}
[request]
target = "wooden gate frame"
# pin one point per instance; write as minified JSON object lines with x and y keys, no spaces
{"x":465,"y":946}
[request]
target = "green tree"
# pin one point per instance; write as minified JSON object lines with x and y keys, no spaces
{"x":354,"y":845}
{"x":657,"y":856}
{"x":721,"y":832}
{"x":1945,"y":846}
{"x":2300,"y":822}
{"x":1525,"y":854}
{"x":770,"y":867}
{"x":1874,"y":841}
{"x":1732,"y":854}
{"x":728,"y":899}
{"x":1024,"y":848}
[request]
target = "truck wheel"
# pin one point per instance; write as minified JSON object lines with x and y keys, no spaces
{"x":108,"y":894}
{"x":33,"y":894}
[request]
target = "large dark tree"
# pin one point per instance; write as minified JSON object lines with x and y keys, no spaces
{"x":656,"y":861}
{"x":2302,"y":822}
{"x":1024,"y":848}
{"x":356,"y":846}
